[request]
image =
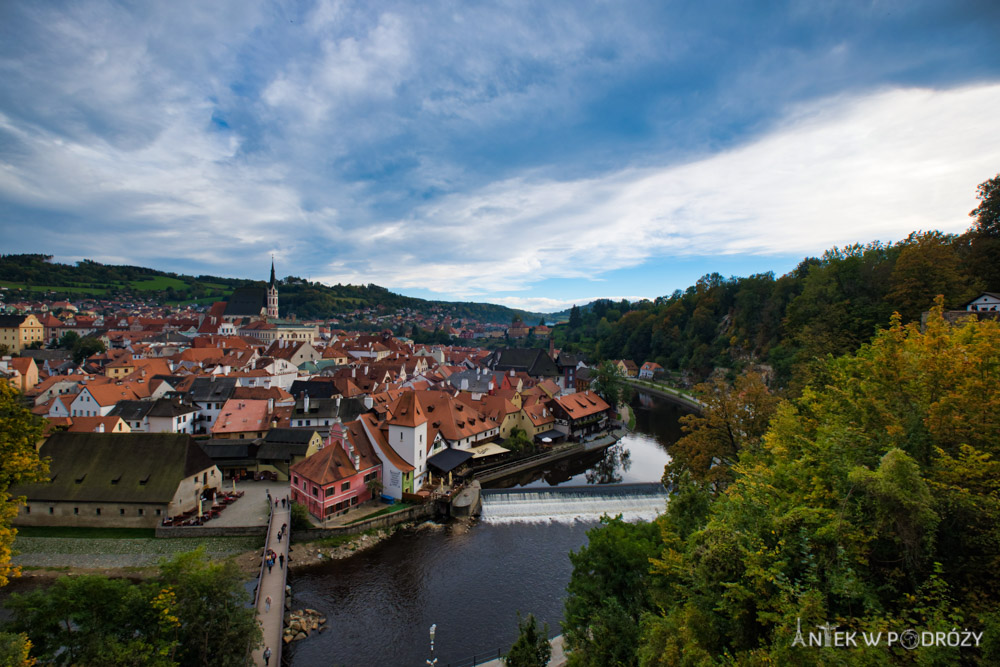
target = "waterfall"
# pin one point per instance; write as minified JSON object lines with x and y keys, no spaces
{"x":578,"y":503}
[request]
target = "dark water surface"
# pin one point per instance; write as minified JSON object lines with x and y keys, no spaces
{"x":470,"y":581}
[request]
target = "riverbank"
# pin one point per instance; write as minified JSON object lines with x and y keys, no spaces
{"x":669,"y":393}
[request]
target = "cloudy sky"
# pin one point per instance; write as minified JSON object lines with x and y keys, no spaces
{"x":533,"y":154}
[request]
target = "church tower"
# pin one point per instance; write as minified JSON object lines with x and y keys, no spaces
{"x":272,"y":295}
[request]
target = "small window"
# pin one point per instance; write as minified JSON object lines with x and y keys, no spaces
{"x":121,"y":511}
{"x":52,"y":510}
{"x":345,"y":486}
{"x":98,"y":511}
{"x":141,"y":511}
{"x":159,"y":512}
{"x":76,"y":510}
{"x":295,"y":479}
{"x":27,"y":509}
{"x":315,"y":491}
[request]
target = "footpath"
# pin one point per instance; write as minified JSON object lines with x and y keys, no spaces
{"x":271,"y":587}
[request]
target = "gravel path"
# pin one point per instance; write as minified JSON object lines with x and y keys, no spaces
{"x":116,"y":553}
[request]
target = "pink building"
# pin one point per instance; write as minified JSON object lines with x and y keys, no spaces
{"x":335,"y":478}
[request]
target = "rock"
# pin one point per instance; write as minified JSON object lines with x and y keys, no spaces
{"x":322,"y":619}
{"x":299,"y":636}
{"x":312,"y":612}
{"x":287,"y":639}
{"x":295,"y":626}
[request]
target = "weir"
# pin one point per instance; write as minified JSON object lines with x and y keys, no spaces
{"x":574,"y":503}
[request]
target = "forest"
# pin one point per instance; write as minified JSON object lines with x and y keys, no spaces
{"x":861,"y":497}
{"x":828,"y":305}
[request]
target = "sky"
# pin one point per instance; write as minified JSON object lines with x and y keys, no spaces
{"x":532,"y":154}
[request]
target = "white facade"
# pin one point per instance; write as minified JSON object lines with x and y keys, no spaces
{"x":984,"y":302}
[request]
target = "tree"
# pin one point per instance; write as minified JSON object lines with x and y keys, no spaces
{"x":575,"y":320}
{"x":15,"y":650}
{"x":299,"y":517}
{"x":734,"y":417}
{"x":984,"y":254}
{"x":609,"y":383}
{"x":20,"y":431}
{"x":194,"y":612}
{"x":609,"y":592}
{"x":86,"y":347}
{"x":532,"y":647}
{"x":872,"y":499}
{"x":518,"y":441}
{"x":987,"y":214}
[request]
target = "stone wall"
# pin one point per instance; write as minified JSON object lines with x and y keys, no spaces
{"x":210,"y":531}
{"x":425,"y":511}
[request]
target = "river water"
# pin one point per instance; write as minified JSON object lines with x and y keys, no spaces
{"x":470,"y":581}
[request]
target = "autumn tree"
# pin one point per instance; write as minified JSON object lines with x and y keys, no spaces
{"x":928,"y":265}
{"x":872,"y":501}
{"x":734,"y":417}
{"x":20,"y":432}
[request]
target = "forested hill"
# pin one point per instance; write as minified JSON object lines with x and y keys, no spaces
{"x":35,"y":273}
{"x":827,"y":305}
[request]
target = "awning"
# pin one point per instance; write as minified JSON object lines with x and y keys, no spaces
{"x":553,"y":434}
{"x":489,"y":449}
{"x":449,"y":459}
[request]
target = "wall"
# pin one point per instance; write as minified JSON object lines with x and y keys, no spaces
{"x":110,"y":516}
{"x":425,"y":511}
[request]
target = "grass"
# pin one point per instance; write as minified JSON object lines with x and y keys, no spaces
{"x":157,"y":284}
{"x":401,"y":505}
{"x":55,"y":288}
{"x":631,"y":418}
{"x":86,"y":533}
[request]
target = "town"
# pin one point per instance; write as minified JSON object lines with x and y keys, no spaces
{"x":156,"y":417}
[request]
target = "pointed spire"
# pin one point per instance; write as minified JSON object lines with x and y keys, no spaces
{"x":272,"y":271}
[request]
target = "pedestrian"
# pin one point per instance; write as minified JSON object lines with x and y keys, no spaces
{"x":275,"y":503}
{"x":270,"y":564}
{"x":281,"y":561}
{"x":283,"y":526}
{"x":267,"y":604}
{"x":267,"y":655}
{"x":279,"y":537}
{"x":283,"y":503}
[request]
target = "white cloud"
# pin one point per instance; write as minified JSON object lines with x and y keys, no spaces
{"x":543,"y":304}
{"x":835,"y":172}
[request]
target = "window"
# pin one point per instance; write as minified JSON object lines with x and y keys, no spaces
{"x":98,"y":511}
{"x":330,"y":490}
{"x":27,"y":509}
{"x":76,"y":510}
{"x":52,"y":510}
{"x":345,"y":486}
{"x":354,"y":500}
{"x":315,"y":491}
{"x":159,"y":512}
{"x":141,"y":511}
{"x":295,"y":479}
{"x":121,"y":511}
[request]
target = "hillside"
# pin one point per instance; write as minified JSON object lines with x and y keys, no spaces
{"x":28,"y":275}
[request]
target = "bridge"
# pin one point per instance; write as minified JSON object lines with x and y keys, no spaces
{"x":271,"y":584}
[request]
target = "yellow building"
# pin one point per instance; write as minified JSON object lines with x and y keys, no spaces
{"x":19,"y":331}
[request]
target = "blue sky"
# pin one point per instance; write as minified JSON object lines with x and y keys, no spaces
{"x":530,"y":154}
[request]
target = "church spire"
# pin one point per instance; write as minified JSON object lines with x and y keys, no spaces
{"x":272,"y":272}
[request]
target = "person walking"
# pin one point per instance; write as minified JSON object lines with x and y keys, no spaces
{"x":267,"y":604}
{"x":267,"y":655}
{"x":270,"y":564}
{"x":281,"y":561}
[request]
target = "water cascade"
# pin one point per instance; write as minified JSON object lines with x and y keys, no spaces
{"x":574,"y":503}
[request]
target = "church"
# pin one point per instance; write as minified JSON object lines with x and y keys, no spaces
{"x":255,"y":303}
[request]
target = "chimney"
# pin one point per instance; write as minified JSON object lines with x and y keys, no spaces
{"x":100,"y":427}
{"x":305,"y":402}
{"x":354,"y":371}
{"x":270,"y":406}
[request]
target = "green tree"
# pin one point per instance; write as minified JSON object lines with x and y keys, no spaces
{"x":984,"y":237}
{"x":609,"y":383}
{"x":609,"y":592}
{"x":85,"y":347}
{"x":299,"y":517}
{"x":532,"y":647}
{"x":575,"y":320}
{"x":15,"y":650}
{"x":518,"y":441}
{"x":20,"y":432}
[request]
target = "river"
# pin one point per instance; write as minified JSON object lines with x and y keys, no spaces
{"x":470,"y":581}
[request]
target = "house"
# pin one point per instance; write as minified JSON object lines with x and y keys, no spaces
{"x":987,"y":301}
{"x":243,"y":419}
{"x":123,"y":480}
{"x":171,"y":416}
{"x":109,"y":424}
{"x":21,"y":372}
{"x":284,"y":447}
{"x":19,"y":331}
{"x":627,"y":367}
{"x":98,"y":400}
{"x":649,"y":370}
{"x":580,"y":414}
{"x":339,"y":476}
{"x":208,"y":395}
{"x":398,"y":474}
{"x":536,"y":363}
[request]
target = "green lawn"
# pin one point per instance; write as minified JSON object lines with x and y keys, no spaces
{"x":158,"y":284}
{"x":55,"y":288}
{"x":85,"y":533}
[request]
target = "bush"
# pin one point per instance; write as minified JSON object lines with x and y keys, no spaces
{"x":300,"y":517}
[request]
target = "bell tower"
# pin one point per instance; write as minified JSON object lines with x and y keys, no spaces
{"x":272,"y":295}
